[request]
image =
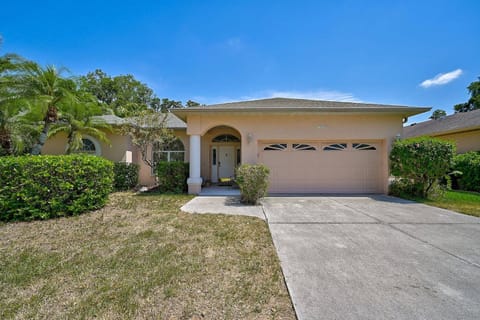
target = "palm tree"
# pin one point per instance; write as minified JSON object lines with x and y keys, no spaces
{"x":46,"y":89}
{"x":76,"y":120}
{"x":17,"y":128}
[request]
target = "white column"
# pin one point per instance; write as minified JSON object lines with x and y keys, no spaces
{"x":194,"y":181}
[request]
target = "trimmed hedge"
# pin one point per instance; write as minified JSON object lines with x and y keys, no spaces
{"x":172,"y":176}
{"x":44,"y":187}
{"x":420,"y":163}
{"x":252,"y":181}
{"x":125,"y":176}
{"x":469,"y":165}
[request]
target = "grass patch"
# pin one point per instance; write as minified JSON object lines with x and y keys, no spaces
{"x":459,"y":201}
{"x":140,"y":257}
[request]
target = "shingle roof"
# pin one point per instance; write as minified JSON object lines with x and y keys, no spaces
{"x":461,"y":121}
{"x":110,"y":119}
{"x":300,"y":105}
{"x":172,"y":121}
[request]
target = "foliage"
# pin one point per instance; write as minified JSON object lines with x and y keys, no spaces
{"x":253,"y":182}
{"x":125,"y":95}
{"x":420,"y":163}
{"x":146,"y":130}
{"x":125,"y":176}
{"x":76,"y":121}
{"x":191,"y":103}
{"x":46,"y":89}
{"x":437,"y":114}
{"x":474,"y":102}
{"x":17,"y":130}
{"x":172,"y":176}
{"x":168,"y":104}
{"x":469,"y":165}
{"x":46,"y":187}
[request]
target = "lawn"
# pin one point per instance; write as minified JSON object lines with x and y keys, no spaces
{"x":459,"y":201}
{"x":140,"y":257}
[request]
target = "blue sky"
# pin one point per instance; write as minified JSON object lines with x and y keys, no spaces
{"x":215,"y":51}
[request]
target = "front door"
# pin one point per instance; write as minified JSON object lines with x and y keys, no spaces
{"x":226,"y":161}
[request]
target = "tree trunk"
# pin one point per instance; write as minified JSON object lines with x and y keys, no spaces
{"x":37,"y":148}
{"x":50,"y":117}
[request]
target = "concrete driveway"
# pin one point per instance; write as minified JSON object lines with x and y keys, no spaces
{"x":376,"y":258}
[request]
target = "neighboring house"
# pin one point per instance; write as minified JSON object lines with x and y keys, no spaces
{"x":462,"y":128}
{"x":310,"y":146}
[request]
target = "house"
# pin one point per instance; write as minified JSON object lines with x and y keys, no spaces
{"x":463,"y":128}
{"x":310,"y":146}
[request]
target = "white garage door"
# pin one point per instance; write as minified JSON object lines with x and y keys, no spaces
{"x":323,"y":167}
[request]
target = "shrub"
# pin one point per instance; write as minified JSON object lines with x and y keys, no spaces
{"x":469,"y":165}
{"x":172,"y":176}
{"x":419,"y":164}
{"x":43,"y":187}
{"x":253,"y":182}
{"x":125,"y":176}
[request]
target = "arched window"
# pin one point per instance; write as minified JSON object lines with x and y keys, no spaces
{"x":90,"y":146}
{"x":173,"y":151}
{"x":225,"y":138}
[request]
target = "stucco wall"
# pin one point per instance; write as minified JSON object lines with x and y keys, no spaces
{"x":466,"y":141}
{"x":146,"y":177}
{"x":114,"y":151}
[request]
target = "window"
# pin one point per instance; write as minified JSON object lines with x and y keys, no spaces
{"x":363,"y":146}
{"x":173,"y":151}
{"x":276,"y":147}
{"x":226,"y":138}
{"x":214,"y":157}
{"x":335,"y":147}
{"x":303,"y":147}
{"x":88,"y":147}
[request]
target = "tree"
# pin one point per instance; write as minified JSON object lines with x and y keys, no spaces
{"x":76,"y":121}
{"x":437,"y":114}
{"x":44,"y":88}
{"x":168,"y":104}
{"x":125,"y":95}
{"x":147,"y":129}
{"x":474,"y":102}
{"x":17,"y":129}
{"x":191,"y":103}
{"x":420,"y":162}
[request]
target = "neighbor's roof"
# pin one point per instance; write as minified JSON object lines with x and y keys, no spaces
{"x":172,"y":121}
{"x":301,"y":105}
{"x":458,"y":122}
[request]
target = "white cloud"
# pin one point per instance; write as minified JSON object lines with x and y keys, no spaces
{"x":442,"y":78}
{"x":329,"y":95}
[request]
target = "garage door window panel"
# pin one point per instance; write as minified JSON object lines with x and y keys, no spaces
{"x":335,"y":147}
{"x":276,"y":147}
{"x":303,"y":147}
{"x":363,"y":146}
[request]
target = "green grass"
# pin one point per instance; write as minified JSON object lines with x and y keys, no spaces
{"x":140,"y":257}
{"x":459,"y":201}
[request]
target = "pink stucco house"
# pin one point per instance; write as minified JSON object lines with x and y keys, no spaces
{"x":310,"y":146}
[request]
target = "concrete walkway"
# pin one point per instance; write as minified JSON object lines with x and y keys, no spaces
{"x":222,"y":204}
{"x":369,"y":257}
